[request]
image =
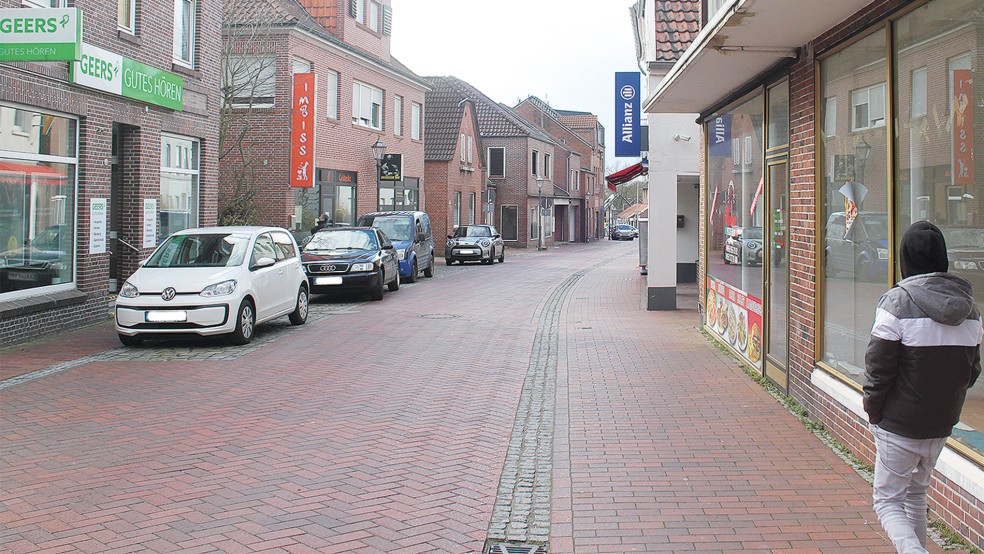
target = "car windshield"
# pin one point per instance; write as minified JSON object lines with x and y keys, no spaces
{"x":963,"y":238}
{"x":343,"y":239}
{"x":624,"y":227}
{"x":875,"y":225}
{"x":396,"y":228}
{"x":212,"y":250}
{"x":472,"y":231}
{"x":752,"y":233}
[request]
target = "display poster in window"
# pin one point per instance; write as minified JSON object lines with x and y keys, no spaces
{"x":391,"y":167}
{"x":302,"y":130}
{"x":735,"y":318}
{"x":150,"y":223}
{"x":97,"y":225}
{"x":963,"y":127}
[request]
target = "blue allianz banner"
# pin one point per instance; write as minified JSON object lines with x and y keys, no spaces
{"x":719,"y":143}
{"x":628,"y":138}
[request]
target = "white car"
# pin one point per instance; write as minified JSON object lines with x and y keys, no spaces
{"x":214,"y":281}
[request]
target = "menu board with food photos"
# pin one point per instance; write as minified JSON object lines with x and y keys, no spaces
{"x":736,"y":318}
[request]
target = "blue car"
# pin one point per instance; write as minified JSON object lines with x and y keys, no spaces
{"x":360,"y":259}
{"x":410,"y":232}
{"x":859,"y":248}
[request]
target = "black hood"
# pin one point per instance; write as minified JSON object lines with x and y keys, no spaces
{"x":922,"y":250}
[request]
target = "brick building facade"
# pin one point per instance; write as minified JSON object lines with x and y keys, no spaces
{"x":98,"y":165}
{"x":844,"y":137}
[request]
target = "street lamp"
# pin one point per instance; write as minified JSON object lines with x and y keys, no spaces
{"x":862,"y":151}
{"x":378,"y":151}
{"x":539,"y":212}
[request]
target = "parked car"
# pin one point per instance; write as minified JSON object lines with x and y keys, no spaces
{"x":860,"y":249}
{"x":411,"y":235}
{"x":475,"y":243}
{"x":965,"y":250}
{"x":214,"y":281}
{"x":351,"y":258}
{"x":44,"y":260}
{"x":743,"y":246}
{"x":624,"y":232}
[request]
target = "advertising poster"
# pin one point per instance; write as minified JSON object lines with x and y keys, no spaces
{"x":391,"y":167}
{"x":150,"y":223}
{"x":97,"y":225}
{"x":735,"y":318}
{"x":302,"y":136}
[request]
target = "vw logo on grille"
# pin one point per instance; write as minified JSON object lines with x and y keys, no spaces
{"x":326,"y":268}
{"x":169,"y":293}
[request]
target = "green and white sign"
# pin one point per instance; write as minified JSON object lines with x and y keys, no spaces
{"x":40,"y":34}
{"x":109,"y":72}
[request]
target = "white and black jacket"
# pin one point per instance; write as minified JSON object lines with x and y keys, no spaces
{"x":923,"y":355}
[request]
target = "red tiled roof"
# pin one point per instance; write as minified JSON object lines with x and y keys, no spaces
{"x":677,"y":23}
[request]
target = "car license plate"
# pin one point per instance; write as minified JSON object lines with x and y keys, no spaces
{"x":21,"y":276}
{"x":328,"y":280}
{"x":169,"y":316}
{"x":467,"y":251}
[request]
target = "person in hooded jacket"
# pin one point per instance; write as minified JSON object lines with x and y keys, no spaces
{"x":923,"y":355}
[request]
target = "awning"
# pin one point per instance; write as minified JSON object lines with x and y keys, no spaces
{"x":42,"y":173}
{"x":743,"y":39}
{"x":626,"y":174}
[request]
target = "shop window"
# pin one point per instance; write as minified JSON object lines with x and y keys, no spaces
{"x":179,"y":184}
{"x":936,"y":55}
{"x":509,"y":222}
{"x":367,"y":105}
{"x":249,"y":81}
{"x":184,"y":32}
{"x":37,"y":202}
{"x":868,"y":107}
{"x":497,"y":162}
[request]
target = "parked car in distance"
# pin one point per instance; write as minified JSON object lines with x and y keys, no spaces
{"x":743,"y":246}
{"x":624,"y":232}
{"x":361,"y":259}
{"x":44,"y":260}
{"x":214,"y":281}
{"x":965,"y":250}
{"x":410,"y":232}
{"x":475,"y":243}
{"x":860,"y":249}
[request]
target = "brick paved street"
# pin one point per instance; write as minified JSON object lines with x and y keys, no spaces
{"x":530,"y":401}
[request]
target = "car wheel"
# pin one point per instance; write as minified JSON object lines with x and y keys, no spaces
{"x":394,"y":285}
{"x":377,"y":291}
{"x":300,"y":313}
{"x":245,"y":324}
{"x":502,"y":256}
{"x":448,"y":261}
{"x":127,"y":340}
{"x":412,"y":278}
{"x":429,"y":270}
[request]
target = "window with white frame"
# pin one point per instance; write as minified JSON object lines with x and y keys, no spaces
{"x":471,"y":208}
{"x":179,"y":184}
{"x":126,"y":15}
{"x":367,"y":105}
{"x":456,"y":210}
{"x":46,"y":3}
{"x":749,"y":152}
{"x":398,"y":116}
{"x":497,"y":162}
{"x":830,"y":117}
{"x":461,"y":146}
{"x":415,"y":114}
{"x":868,"y":107}
{"x":331,"y":89}
{"x":249,"y":81}
{"x":374,"y":12}
{"x":471,"y":146}
{"x":546,"y":166}
{"x":184,"y":32}
{"x":360,"y":10}
{"x":919,"y":83}
{"x":300,"y":65}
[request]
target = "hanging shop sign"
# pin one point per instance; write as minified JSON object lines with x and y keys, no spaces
{"x":109,"y":72}
{"x":719,"y":143}
{"x":391,"y":167}
{"x":40,"y":34}
{"x":302,"y":130}
{"x":963,"y":127}
{"x":736,"y":318}
{"x":628,"y":143}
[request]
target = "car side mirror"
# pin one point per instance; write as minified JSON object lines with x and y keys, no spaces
{"x":497,"y":236}
{"x":389,"y":247}
{"x":421,"y":237}
{"x":450,"y":236}
{"x":264,"y":262}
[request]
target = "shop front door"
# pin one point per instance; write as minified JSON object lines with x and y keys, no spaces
{"x":777,"y":275}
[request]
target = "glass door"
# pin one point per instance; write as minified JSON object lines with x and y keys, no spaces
{"x":777,"y":275}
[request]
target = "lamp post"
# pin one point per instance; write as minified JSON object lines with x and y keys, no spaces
{"x":378,"y":151}
{"x":862,"y":151}
{"x":539,"y":212}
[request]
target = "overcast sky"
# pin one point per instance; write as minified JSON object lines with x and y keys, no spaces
{"x":563,"y":51}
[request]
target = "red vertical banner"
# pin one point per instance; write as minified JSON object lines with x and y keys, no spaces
{"x":302,"y":130}
{"x":963,"y":127}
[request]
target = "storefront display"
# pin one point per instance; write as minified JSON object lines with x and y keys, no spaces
{"x":736,"y":318}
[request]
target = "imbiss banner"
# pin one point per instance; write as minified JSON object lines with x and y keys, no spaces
{"x":302,"y":130}
{"x":627,"y":136}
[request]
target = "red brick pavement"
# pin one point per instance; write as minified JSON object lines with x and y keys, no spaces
{"x":343,"y":436}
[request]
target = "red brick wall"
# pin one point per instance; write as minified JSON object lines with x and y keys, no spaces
{"x":444,"y":178}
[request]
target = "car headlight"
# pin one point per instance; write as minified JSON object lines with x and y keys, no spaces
{"x":882,"y":253}
{"x":964,"y":265}
{"x":219,"y":289}
{"x":401,"y":254}
{"x":129,"y":291}
{"x":367,"y":266}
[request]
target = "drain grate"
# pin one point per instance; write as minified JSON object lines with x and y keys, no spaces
{"x":505,"y":548}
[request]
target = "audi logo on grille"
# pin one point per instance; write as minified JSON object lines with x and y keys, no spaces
{"x":327,"y":268}
{"x":169,"y":293}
